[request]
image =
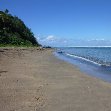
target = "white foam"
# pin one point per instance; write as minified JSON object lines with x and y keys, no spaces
{"x":83,"y":59}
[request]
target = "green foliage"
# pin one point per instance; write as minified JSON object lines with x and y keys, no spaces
{"x":13,"y":31}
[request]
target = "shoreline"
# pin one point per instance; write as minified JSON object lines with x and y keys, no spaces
{"x":87,"y":67}
{"x":35,"y":80}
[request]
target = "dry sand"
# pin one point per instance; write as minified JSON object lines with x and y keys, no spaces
{"x":34,"y":80}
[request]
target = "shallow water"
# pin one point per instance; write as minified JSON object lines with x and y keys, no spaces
{"x":94,"y":61}
{"x":98,"y":55}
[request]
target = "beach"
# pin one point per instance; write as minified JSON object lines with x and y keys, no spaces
{"x":33,"y":79}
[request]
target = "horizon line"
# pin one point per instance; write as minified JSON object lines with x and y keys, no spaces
{"x":89,"y":46}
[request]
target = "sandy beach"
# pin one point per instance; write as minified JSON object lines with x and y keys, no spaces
{"x":35,"y":80}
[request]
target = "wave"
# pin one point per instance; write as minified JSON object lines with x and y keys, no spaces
{"x":89,"y":59}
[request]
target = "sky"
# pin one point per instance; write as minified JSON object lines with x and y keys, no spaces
{"x":65,"y":22}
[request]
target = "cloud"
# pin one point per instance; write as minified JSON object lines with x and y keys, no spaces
{"x":46,"y":38}
{"x":102,"y":39}
{"x":50,"y":38}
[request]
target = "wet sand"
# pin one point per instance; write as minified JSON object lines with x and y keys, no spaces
{"x":35,"y":80}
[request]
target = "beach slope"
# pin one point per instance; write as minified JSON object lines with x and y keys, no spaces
{"x":35,"y":80}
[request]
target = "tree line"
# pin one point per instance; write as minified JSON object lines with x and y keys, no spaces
{"x":13,"y":31}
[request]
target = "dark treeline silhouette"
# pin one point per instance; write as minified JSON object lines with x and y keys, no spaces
{"x":13,"y":31}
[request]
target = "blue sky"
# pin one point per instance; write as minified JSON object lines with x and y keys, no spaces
{"x":65,"y":22}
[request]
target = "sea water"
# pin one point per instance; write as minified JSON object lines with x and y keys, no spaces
{"x":95,"y":61}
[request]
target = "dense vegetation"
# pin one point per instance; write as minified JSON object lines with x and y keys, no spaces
{"x":13,"y":31}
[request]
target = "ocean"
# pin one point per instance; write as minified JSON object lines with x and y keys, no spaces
{"x":94,"y":61}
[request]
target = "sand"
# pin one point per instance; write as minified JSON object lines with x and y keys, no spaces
{"x":35,"y":80}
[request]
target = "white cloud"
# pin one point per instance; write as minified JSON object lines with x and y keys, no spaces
{"x":102,"y":39}
{"x":50,"y":38}
{"x":38,"y":38}
{"x":53,"y":40}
